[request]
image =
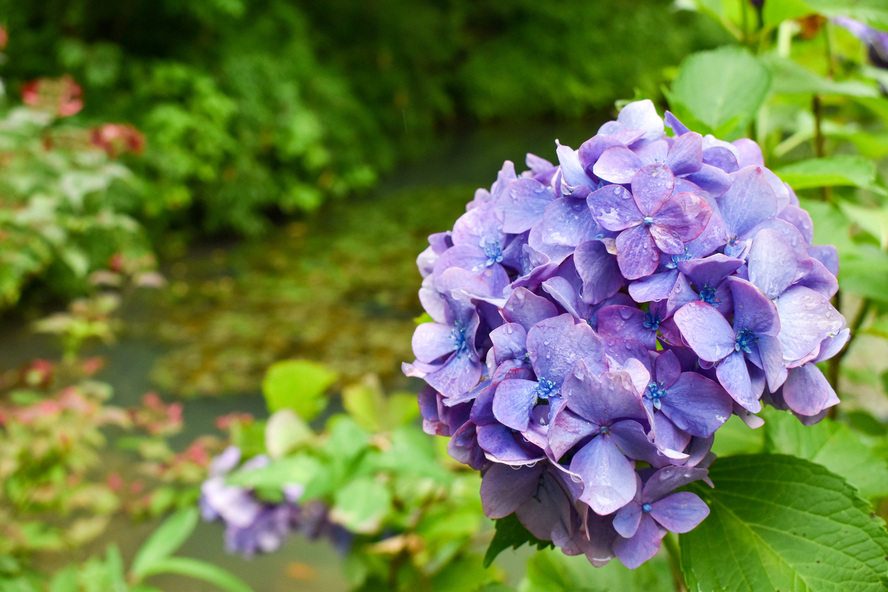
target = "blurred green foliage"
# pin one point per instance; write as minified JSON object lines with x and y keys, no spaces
{"x":271,"y":107}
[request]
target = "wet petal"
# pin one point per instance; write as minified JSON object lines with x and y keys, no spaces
{"x":637,"y":254}
{"x":685,"y":214}
{"x":513,"y":402}
{"x":613,"y":208}
{"x":651,"y":186}
{"x":504,"y":488}
{"x":680,"y":512}
{"x":617,"y":165}
{"x":599,"y":271}
{"x":705,"y":330}
{"x":734,"y":376}
{"x":608,"y":477}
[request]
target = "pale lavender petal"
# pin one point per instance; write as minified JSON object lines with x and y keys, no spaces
{"x":696,"y":404}
{"x":667,"y":240}
{"x":567,"y":430}
{"x":709,"y":271}
{"x":637,"y":254}
{"x":573,"y":171}
{"x":669,"y":440}
{"x":705,"y":330}
{"x":752,"y":309}
{"x":653,"y":287}
{"x":806,"y":390}
{"x":509,"y":342}
{"x":592,"y":149}
{"x":820,"y":279}
{"x":711,"y":179}
{"x":651,"y":186}
{"x":460,"y":374}
{"x":634,"y":551}
{"x":680,"y":512}
{"x":632,"y":440}
{"x":826,"y":254}
{"x":667,"y":368}
{"x":627,"y":519}
{"x":672,"y":122}
{"x":527,"y":309}
{"x":599,"y":271}
{"x":734,"y":376}
{"x":549,"y":513}
{"x":801,"y":220}
{"x":686,"y":154}
{"x":749,"y":201}
{"x":556,"y":344}
{"x":685,"y":214}
{"x":506,"y":446}
{"x":666,"y":480}
{"x":833,"y":345}
{"x":771,"y":353}
{"x":609,"y":481}
{"x":513,"y":402}
{"x":523,"y":205}
{"x":617,"y":165}
{"x":772,"y":263}
{"x":721,"y":158}
{"x":613,"y":208}
{"x":626,"y":322}
{"x":642,"y":115}
{"x":504,"y":488}
{"x":604,"y":400}
{"x":749,"y":153}
{"x":806,"y":319}
{"x":568,"y":221}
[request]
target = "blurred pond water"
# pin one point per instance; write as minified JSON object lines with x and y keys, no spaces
{"x":338,"y":287}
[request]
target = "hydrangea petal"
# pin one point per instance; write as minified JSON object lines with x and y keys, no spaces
{"x":637,"y":253}
{"x":806,"y":390}
{"x":608,"y":477}
{"x":651,"y":186}
{"x":734,"y":376}
{"x":680,"y":512}
{"x":504,"y":488}
{"x":705,"y":330}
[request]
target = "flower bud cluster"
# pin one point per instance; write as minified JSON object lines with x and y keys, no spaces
{"x":595,"y":321}
{"x":255,"y":526}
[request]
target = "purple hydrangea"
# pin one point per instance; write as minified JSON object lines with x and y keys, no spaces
{"x":597,"y":320}
{"x":254,"y":526}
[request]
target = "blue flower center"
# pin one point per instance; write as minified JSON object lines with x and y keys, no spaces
{"x":651,"y":321}
{"x":655,"y":392}
{"x":544,"y":389}
{"x":646,"y":508}
{"x":604,"y":431}
{"x":494,"y":253}
{"x":745,"y":339}
{"x":676,"y":259}
{"x":458,"y":335}
{"x":707,"y":295}
{"x":647,"y":220}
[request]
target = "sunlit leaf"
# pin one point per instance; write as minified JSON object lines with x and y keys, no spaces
{"x":782,"y":523}
{"x":721,"y":89}
{"x":298,"y":385}
{"x":168,"y":537}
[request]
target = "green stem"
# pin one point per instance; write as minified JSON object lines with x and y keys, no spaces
{"x":835,"y":363}
{"x":675,"y":562}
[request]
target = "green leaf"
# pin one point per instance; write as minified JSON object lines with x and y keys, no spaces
{"x":553,"y":571}
{"x":368,"y":404}
{"x":297,"y":469}
{"x":791,"y":78}
{"x":783,"y":523}
{"x":168,"y":537}
{"x":115,"y":571}
{"x":285,"y":431}
{"x":721,"y":89}
{"x":510,"y":533}
{"x":872,"y":12}
{"x":830,"y":171}
{"x":833,"y":445}
{"x":872,"y":220}
{"x":866,"y":274}
{"x":298,"y":385}
{"x":65,"y":580}
{"x":200,"y":570}
{"x":735,"y":437}
{"x":774,"y":13}
{"x":362,"y":505}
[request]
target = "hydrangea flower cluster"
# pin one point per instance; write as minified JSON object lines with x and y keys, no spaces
{"x":254,"y":526}
{"x":595,"y":321}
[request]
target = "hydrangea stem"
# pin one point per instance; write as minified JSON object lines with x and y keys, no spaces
{"x":675,"y":562}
